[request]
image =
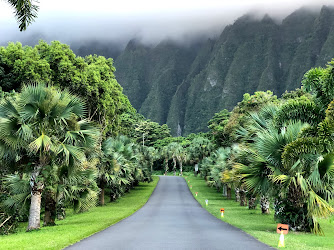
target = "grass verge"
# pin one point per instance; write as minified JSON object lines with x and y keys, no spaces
{"x":79,"y":226}
{"x":262,"y":227}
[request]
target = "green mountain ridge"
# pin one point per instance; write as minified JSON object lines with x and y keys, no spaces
{"x":184,"y":86}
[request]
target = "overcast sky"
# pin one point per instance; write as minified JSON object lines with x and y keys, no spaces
{"x":69,"y":20}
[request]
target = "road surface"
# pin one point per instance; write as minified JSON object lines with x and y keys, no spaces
{"x":171,"y":219}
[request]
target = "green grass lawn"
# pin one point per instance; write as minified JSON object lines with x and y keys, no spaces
{"x":262,"y":227}
{"x":78,"y":226}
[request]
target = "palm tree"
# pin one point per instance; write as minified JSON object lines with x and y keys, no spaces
{"x":177,"y":154}
{"x":182,"y":157}
{"x":219,"y":162}
{"x":261,"y":158}
{"x":230,"y":176}
{"x":306,"y":175}
{"x":295,"y":167}
{"x":246,"y":158}
{"x":151,"y":156}
{"x":204,"y":167}
{"x":165,"y":153}
{"x":116,"y":168}
{"x":109,"y":173}
{"x":25,"y":12}
{"x":200,"y":148}
{"x":46,"y":126}
{"x":78,"y":186}
{"x":14,"y":201}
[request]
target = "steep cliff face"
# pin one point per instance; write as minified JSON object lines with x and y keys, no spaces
{"x":151,"y":75}
{"x":184,"y":86}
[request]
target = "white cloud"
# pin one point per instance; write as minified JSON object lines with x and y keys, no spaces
{"x":152,"y":20}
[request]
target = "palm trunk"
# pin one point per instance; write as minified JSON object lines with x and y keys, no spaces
{"x":237,"y":194}
{"x":243,"y":198}
{"x":166,"y":166}
{"x":113,"y":196}
{"x":35,"y":211}
{"x":61,"y":212}
{"x":34,"y":221}
{"x":229,"y":193}
{"x":265,"y":204}
{"x":196,"y":167}
{"x":50,"y":210}
{"x":251,"y":203}
{"x":181,"y":167}
{"x":174,"y":166}
{"x":224,"y":191}
{"x":102,"y":196}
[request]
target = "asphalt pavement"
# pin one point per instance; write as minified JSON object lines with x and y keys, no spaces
{"x":171,"y":219}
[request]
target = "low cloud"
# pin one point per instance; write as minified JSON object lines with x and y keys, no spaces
{"x":177,"y":20}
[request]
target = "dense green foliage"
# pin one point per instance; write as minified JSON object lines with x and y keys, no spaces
{"x":91,"y":78}
{"x":148,"y":132}
{"x":251,"y":55}
{"x":279,"y":151}
{"x":51,"y":156}
{"x":59,"y":150}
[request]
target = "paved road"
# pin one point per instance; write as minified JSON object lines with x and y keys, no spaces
{"x":171,"y":219}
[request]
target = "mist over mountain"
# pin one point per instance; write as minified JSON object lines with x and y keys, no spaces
{"x":184,"y":86}
{"x":79,"y":22}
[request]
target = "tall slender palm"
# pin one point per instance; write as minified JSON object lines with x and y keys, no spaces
{"x":45,"y":125}
{"x":147,"y":156}
{"x":152,"y":156}
{"x":176,"y":151}
{"x":165,"y":153}
{"x":182,"y":157}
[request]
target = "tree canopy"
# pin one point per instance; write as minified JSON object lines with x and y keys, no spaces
{"x":92,"y":78}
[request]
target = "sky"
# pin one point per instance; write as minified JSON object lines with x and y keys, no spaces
{"x":151,"y":21}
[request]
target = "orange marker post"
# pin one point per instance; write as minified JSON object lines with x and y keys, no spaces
{"x":196,"y":194}
{"x":191,"y":186}
{"x":282,"y":229}
{"x":222,"y":210}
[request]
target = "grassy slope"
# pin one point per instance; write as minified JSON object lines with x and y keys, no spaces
{"x":262,"y":227}
{"x":78,"y":226}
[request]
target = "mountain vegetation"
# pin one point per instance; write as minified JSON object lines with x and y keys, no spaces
{"x":185,"y":85}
